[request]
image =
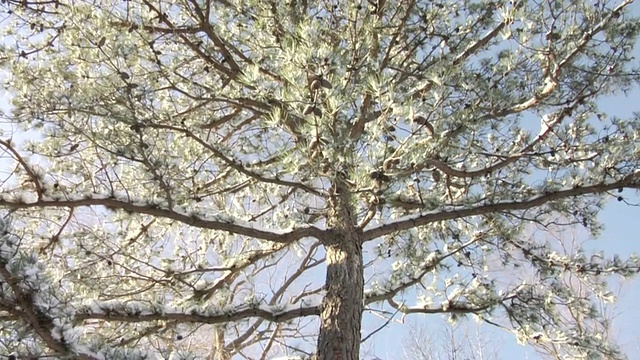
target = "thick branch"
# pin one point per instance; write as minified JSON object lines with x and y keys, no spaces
{"x":131,"y":313}
{"x":236,"y":227}
{"x":452,"y":308}
{"x":455,"y":212}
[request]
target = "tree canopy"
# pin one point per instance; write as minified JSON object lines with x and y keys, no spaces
{"x":249,"y":179}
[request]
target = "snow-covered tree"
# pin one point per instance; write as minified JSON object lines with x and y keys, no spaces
{"x":263,"y":174}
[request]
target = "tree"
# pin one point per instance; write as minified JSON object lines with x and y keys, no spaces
{"x":247,"y":170}
{"x":451,"y":345}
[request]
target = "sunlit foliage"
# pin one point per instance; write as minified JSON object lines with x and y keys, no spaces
{"x":176,"y":171}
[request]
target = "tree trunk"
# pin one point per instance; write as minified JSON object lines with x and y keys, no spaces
{"x":218,"y":351}
{"x":342,"y":307}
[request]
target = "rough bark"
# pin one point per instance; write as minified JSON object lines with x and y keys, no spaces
{"x":218,"y":351}
{"x":342,"y":306}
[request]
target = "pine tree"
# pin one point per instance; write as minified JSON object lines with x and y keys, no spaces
{"x":258,"y":176}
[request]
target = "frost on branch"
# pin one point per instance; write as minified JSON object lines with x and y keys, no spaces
{"x":184,"y":168}
{"x":37,"y":316}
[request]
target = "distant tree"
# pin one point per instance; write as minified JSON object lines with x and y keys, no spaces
{"x":458,"y":340}
{"x":265,"y":173}
{"x":449,"y":344}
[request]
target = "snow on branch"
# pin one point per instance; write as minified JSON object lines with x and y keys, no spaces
{"x":197,"y":220}
{"x":450,"y":307}
{"x":32,"y":301}
{"x":457,"y":212}
{"x":135,"y":311}
{"x":30,"y":296}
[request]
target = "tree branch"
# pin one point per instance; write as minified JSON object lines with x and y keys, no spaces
{"x":235,"y":226}
{"x":32,"y":174}
{"x":132,"y":312}
{"x":452,"y":308}
{"x":457,"y":212}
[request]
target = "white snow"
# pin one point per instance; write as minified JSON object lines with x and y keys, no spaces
{"x":544,"y":125}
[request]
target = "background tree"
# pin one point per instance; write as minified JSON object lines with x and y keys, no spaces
{"x":265,"y":172}
{"x":450,"y":343}
{"x":468,"y":340}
